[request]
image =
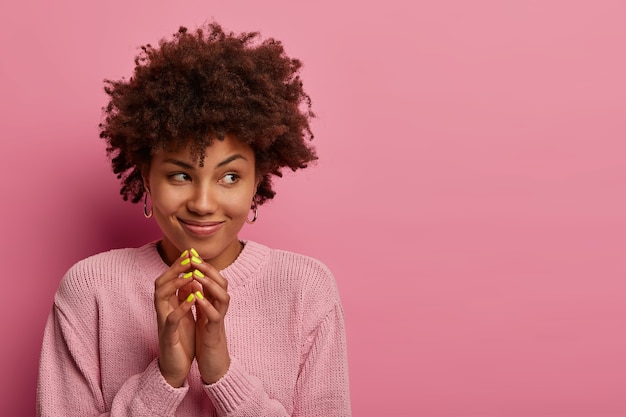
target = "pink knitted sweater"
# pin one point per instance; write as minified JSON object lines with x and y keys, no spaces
{"x":285,"y":332}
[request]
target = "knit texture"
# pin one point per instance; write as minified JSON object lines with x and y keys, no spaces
{"x":284,"y":325}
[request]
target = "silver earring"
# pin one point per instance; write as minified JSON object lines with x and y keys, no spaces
{"x":147,"y":214}
{"x":256,"y":215}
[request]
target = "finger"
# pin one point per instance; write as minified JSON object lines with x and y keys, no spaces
{"x":173,"y":319}
{"x":178,"y":268}
{"x":206,"y":310}
{"x":171,"y":294}
{"x":216,"y":295}
{"x":189,"y":288}
{"x":163,"y":293}
{"x":212,"y":289}
{"x":181,"y":264}
{"x":209,"y":271}
{"x":183,"y":292}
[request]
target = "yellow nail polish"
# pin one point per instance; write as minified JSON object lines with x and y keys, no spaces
{"x":198,"y":274}
{"x":196,"y":260}
{"x":194,"y":252}
{"x":185,"y":261}
{"x":188,"y":275}
{"x":185,"y":253}
{"x":190,"y":298}
{"x":199,"y":295}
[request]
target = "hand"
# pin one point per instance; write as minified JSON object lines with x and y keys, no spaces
{"x":211,"y":306}
{"x":173,"y":298}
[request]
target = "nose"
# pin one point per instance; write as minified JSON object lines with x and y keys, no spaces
{"x":203,"y":200}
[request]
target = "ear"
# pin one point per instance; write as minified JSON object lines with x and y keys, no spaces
{"x":145,"y":176}
{"x":256,"y":188}
{"x":259,"y":178}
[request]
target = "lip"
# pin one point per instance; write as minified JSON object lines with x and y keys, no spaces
{"x":201,"y":228}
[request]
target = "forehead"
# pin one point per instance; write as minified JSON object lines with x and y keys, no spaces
{"x":216,"y":152}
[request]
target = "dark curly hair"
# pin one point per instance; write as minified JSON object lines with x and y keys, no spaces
{"x":202,"y":86}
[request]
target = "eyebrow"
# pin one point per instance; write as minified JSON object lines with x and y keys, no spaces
{"x":186,"y":165}
{"x":178,"y":162}
{"x":231,"y":159}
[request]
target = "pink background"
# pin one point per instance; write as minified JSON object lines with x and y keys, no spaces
{"x":469,"y":197}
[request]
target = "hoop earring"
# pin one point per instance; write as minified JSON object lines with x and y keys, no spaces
{"x":256,"y":215}
{"x":145,"y":206}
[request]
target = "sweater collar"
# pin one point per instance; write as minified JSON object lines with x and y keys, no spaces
{"x":246,"y":266}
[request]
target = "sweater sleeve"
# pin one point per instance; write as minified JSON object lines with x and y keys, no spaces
{"x":69,"y":370}
{"x":322,"y":385}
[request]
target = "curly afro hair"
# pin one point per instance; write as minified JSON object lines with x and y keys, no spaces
{"x":202,"y":86}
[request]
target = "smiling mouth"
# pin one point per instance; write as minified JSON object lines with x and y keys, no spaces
{"x":201,"y":228}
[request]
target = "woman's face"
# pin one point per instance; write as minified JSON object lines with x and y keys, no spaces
{"x":203,"y":207}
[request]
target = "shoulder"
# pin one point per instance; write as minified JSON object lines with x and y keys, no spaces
{"x":287,"y":264}
{"x":311,"y":282}
{"x":312,"y":279}
{"x":314,"y":271}
{"x":99,"y":270}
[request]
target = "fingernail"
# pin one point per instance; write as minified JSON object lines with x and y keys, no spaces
{"x":188,"y":275}
{"x":185,"y":261}
{"x":194,"y":252}
{"x":196,"y":260}
{"x":190,"y":298}
{"x":199,"y":295}
{"x":198,"y":274}
{"x":185,"y":253}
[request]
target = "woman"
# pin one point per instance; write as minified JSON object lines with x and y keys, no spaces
{"x":198,"y":132}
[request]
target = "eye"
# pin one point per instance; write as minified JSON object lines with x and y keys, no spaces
{"x":230,"y":178}
{"x":179,"y":177}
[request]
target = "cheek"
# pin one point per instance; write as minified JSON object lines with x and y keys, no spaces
{"x":239,"y":204}
{"x":166,"y":200}
{"x":238,"y":207}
